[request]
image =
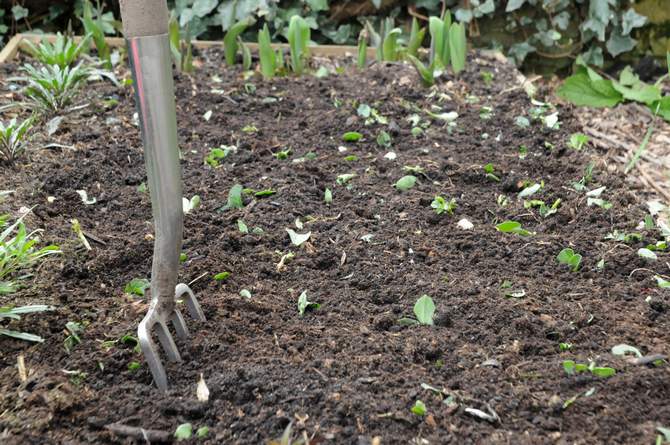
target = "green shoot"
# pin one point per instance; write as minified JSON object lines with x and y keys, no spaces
{"x":235,"y":197}
{"x":76,"y":228}
{"x":490,"y":172}
{"x":578,"y":140}
{"x":572,"y":368}
{"x":570,"y":258}
{"x":246,"y":55}
{"x":14,"y":313}
{"x":63,"y":52}
{"x":298,"y":40}
{"x":181,"y":49}
{"x":362,"y":49}
{"x":137,"y":286}
{"x":230,"y":43}
{"x":266,"y":53}
{"x":384,"y":139}
{"x":424,"y":310}
{"x":297,"y":239}
{"x":352,"y":136}
{"x":222,"y":276}
{"x":343,"y":179}
{"x":216,"y":155}
{"x":183,"y":432}
{"x":427,"y":73}
{"x":390,"y":45}
{"x":416,"y":36}
{"x":419,"y":408}
{"x":457,"y":47}
{"x":441,"y":205}
{"x":72,"y":330}
{"x":513,"y":227}
{"x":328,"y":196}
{"x":439,"y":44}
{"x":14,"y":138}
{"x":304,"y":304}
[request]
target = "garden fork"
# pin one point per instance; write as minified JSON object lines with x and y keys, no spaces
{"x":145,"y":26}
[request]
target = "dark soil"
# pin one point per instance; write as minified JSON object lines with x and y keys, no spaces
{"x":346,"y":373}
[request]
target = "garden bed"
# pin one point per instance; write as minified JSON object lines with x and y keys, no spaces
{"x":346,"y":372}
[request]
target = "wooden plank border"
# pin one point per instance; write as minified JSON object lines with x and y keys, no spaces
{"x":14,"y":46}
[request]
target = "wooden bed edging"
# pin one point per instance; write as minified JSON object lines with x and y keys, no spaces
{"x":14,"y":45}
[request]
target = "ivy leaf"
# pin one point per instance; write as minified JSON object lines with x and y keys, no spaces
{"x":19,"y":12}
{"x":631,"y":19}
{"x":619,"y":43}
{"x":513,"y":5}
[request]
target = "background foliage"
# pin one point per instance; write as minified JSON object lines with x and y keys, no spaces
{"x":541,"y":35}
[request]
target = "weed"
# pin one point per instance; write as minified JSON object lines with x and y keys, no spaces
{"x":282,"y":154}
{"x":216,"y":155}
{"x":419,"y":408}
{"x":14,"y":138}
{"x":183,"y":432}
{"x":95,"y":29}
{"x":578,"y":140}
{"x":568,"y":257}
{"x":405,"y":183}
{"x":441,"y":205}
{"x":487,"y":77}
{"x":181,"y":49}
{"x":352,"y":136}
{"x":137,"y":286}
{"x":345,"y":178}
{"x":304,"y":304}
{"x":14,"y":313}
{"x":489,"y":169}
{"x":222,"y":276}
{"x":72,"y":332}
{"x":63,"y":52}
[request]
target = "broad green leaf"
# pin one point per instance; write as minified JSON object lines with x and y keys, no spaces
{"x":581,"y":90}
{"x":405,"y":183}
{"x":424,"y":309}
{"x":235,"y":197}
{"x":513,"y":227}
{"x":304,"y":304}
{"x":137,"y":286}
{"x":457,"y":47}
{"x":267,"y":55}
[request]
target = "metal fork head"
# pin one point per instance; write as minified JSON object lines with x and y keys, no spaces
{"x":158,"y":319}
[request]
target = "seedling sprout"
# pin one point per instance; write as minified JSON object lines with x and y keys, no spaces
{"x":568,"y":257}
{"x":305,"y":305}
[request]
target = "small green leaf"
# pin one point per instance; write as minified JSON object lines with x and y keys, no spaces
{"x":603,"y":371}
{"x":202,"y":432}
{"x":328,"y":196}
{"x":137,"y":286}
{"x":242,"y":227}
{"x":569,"y":257}
{"x":569,"y":367}
{"x":235,"y":197}
{"x":222,"y":276}
{"x":298,"y":239}
{"x":405,"y":183}
{"x":183,"y":432}
{"x":662,"y":282}
{"x":647,"y":254}
{"x":304,"y":304}
{"x":513,"y":227}
{"x":419,"y":408}
{"x":424,"y":309}
{"x":352,"y":136}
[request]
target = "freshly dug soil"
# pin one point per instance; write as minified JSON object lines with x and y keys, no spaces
{"x":347,"y":372}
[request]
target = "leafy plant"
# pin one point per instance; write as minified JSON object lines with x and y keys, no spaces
{"x":63,"y":52}
{"x":416,"y":37}
{"x":137,"y":286}
{"x":216,"y":155}
{"x":298,"y":41}
{"x":72,"y":332}
{"x":15,"y":313}
{"x":441,"y":205}
{"x":183,"y":432}
{"x":513,"y":227}
{"x":424,"y":311}
{"x":14,"y":138}
{"x":419,"y":408}
{"x":235,"y":198}
{"x":427,"y":73}
{"x":18,"y":252}
{"x":304,"y":304}
{"x":230,"y":40}
{"x":568,"y":257}
{"x":578,"y":140}
{"x":51,"y":88}
{"x":489,"y":169}
{"x":267,"y":55}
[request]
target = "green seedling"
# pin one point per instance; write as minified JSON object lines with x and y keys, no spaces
{"x":440,"y":55}
{"x":267,"y":55}
{"x":305,"y":305}
{"x":573,"y":368}
{"x":529,"y":191}
{"x":414,"y":169}
{"x":586,"y":179}
{"x":345,"y":178}
{"x":246,"y":55}
{"x":76,"y":228}
{"x":183,"y":432}
{"x":513,"y":227}
{"x":282,"y":154}
{"x":51,"y":88}
{"x":427,"y":73}
{"x":14,"y":138}
{"x":405,"y":183}
{"x":298,"y":41}
{"x":230,"y":40}
{"x":63,"y":52}
{"x":391,"y":48}
{"x":362,"y":50}
{"x":546,"y":211}
{"x":222,"y":276}
{"x":624,"y":237}
{"x":245,"y":293}
{"x":72,"y":332}
{"x":564,"y":347}
{"x":441,"y":205}
{"x":457,"y":47}
{"x":134,"y":366}
{"x":384,"y":139}
{"x":351,"y":158}
{"x":188,"y":205}
{"x":328,"y":196}
{"x":487,"y":77}
{"x":352,"y":136}
{"x":568,"y":257}
{"x":424,"y":311}
{"x":95,"y":29}
{"x":19,"y":252}
{"x":606,"y":205}
{"x":578,"y":140}
{"x":137,"y":286}
{"x":490,"y":172}
{"x":419,"y":408}
{"x":242,"y":227}
{"x":183,"y":257}
{"x":181,"y":49}
{"x":15,"y":313}
{"x":216,"y":155}
{"x":235,"y":197}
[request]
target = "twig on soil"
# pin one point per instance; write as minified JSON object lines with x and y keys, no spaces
{"x":640,"y":269}
{"x":198,"y":278}
{"x":139,"y":433}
